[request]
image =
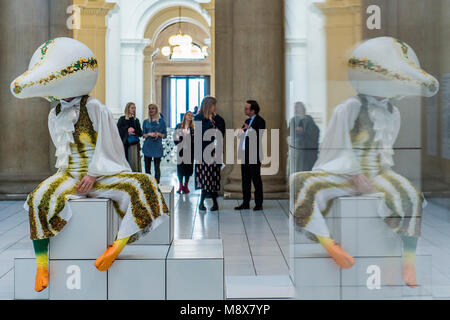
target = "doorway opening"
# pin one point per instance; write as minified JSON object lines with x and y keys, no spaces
{"x":181,"y":94}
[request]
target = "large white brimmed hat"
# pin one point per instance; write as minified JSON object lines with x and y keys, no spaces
{"x":387,"y":67}
{"x":60,"y":68}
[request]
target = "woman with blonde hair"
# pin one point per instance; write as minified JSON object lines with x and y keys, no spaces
{"x":154,"y":131}
{"x":207,"y":176}
{"x":185,"y":130}
{"x":130,"y":131}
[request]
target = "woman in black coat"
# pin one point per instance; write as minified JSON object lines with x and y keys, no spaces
{"x":207,"y":176}
{"x":185,"y":169}
{"x":130,"y":131}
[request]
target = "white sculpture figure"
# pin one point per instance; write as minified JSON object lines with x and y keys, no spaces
{"x":90,"y":156}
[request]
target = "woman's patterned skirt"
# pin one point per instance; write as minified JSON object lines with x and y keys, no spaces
{"x":314,"y":192}
{"x":136,"y":199}
{"x":207,"y":177}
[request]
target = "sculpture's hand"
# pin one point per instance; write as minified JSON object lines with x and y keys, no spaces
{"x":362,"y":184}
{"x":85,"y":185}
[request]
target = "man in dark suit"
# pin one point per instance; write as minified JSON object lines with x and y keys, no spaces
{"x":251,"y":167}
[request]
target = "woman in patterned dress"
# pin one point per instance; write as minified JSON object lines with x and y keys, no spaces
{"x":90,"y":155}
{"x":207,"y":171}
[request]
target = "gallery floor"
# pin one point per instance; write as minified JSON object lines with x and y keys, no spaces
{"x":256,"y":244}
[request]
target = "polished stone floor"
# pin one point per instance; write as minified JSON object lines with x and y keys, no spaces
{"x":255,"y":243}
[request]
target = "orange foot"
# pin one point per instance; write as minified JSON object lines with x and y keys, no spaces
{"x":41,"y":279}
{"x":409,"y":275}
{"x":105,"y":261}
{"x":342,"y":258}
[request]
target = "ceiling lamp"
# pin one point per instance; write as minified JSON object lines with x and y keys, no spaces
{"x":181,"y":46}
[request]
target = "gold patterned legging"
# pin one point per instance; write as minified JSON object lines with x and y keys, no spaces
{"x":315,"y":191}
{"x":136,"y":198}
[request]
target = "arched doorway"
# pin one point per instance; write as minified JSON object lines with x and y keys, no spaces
{"x":136,"y":34}
{"x":177,"y":83}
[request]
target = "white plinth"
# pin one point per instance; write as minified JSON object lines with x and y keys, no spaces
{"x":315,"y":275}
{"x":24,"y":278}
{"x":139,"y":273}
{"x":88,"y":233}
{"x":77,"y":280}
{"x":195,"y":270}
{"x":163,"y":234}
{"x":355,"y":224}
{"x":357,"y":227}
{"x":380,"y":278}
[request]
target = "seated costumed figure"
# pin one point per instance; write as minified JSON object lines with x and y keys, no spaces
{"x":90,"y":157}
{"x":356,"y":153}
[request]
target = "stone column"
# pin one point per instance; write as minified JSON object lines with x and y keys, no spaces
{"x":26,"y":151}
{"x":210,"y":7}
{"x":250,"y":65}
{"x":343,"y":32}
{"x":132,"y":75}
{"x":92,"y":32}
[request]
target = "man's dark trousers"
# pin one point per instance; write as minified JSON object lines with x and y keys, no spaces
{"x":252,"y":172}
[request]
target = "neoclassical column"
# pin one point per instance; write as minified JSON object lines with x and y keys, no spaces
{"x":132,"y":75}
{"x":250,"y":65}
{"x":92,"y":32}
{"x":113,"y":71}
{"x":343,"y":31}
{"x":210,"y":8}
{"x":26,"y":152}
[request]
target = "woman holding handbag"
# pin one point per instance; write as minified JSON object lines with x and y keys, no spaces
{"x":130,"y":131}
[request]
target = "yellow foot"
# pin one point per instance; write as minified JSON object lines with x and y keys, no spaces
{"x":342,"y":258}
{"x":409,"y":275}
{"x":41,"y":279}
{"x":105,"y":261}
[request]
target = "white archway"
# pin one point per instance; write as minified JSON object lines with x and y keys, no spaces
{"x":147,"y":10}
{"x":133,"y":43}
{"x":172,"y":21}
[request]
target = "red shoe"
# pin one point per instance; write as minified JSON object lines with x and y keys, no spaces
{"x":181,"y":189}
{"x":185,"y":188}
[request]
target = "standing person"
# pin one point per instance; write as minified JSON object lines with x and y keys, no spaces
{"x":207,"y":176}
{"x":251,"y":172}
{"x":185,"y":169}
{"x":130,"y":131}
{"x":154,"y":131}
{"x":89,"y":156}
{"x":304,"y":139}
{"x":195,"y":110}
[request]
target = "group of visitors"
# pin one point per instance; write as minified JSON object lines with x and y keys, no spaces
{"x":207,"y":173}
{"x":153,"y":131}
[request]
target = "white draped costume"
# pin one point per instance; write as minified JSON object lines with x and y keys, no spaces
{"x":359,"y":140}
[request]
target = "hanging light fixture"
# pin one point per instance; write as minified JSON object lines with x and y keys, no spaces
{"x":181,"y":46}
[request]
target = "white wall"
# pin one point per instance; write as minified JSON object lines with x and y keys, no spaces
{"x":125,"y":45}
{"x":305,"y":58}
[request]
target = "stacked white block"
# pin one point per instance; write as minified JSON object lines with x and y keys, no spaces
{"x":77,"y":280}
{"x":74,"y":250}
{"x":92,"y":228}
{"x":314,"y":273}
{"x":163,"y":234}
{"x":24,"y":276}
{"x":89,"y":231}
{"x":356,"y":225}
{"x":139,"y":273}
{"x":195,"y":270}
{"x":375,"y":278}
